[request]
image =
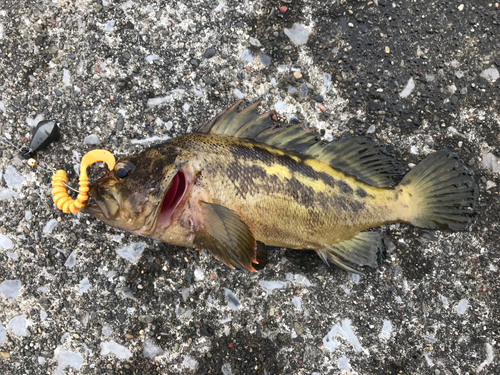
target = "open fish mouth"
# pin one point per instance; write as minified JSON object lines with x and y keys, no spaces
{"x":173,"y":196}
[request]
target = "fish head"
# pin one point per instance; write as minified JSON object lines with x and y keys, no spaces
{"x":141,"y":192}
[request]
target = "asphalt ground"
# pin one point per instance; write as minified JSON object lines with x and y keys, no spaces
{"x":416,"y":75}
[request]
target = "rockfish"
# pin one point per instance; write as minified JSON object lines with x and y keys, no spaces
{"x":239,"y":183}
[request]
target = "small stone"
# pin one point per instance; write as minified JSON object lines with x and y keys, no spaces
{"x":254,"y":42}
{"x":233,"y":301}
{"x":49,"y":227}
{"x":280,"y":106}
{"x":321,"y":107}
{"x":298,"y":329}
{"x":265,"y":59}
{"x":115,"y":348}
{"x":71,"y":261}
{"x":18,"y":325}
{"x":319,"y":98}
{"x":387,"y":49}
{"x":209,"y":53}
{"x":490,"y":184}
{"x":490,"y":74}
{"x":5,"y":355}
{"x":12,"y":178}
{"x":247,"y":55}
{"x":297,"y":75}
{"x":194,"y":62}
{"x":5,"y":242}
{"x":371,"y":129}
{"x":410,"y":85}
{"x":57,"y":92}
{"x":298,"y":34}
{"x":151,"y":58}
{"x":190,"y":362}
{"x":461,"y":7}
{"x":10,"y":288}
{"x":91,"y":140}
{"x":119,"y":123}
{"x":109,"y":25}
{"x":462,"y":306}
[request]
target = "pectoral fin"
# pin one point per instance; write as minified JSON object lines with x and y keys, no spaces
{"x":362,"y":250}
{"x":226,"y":236}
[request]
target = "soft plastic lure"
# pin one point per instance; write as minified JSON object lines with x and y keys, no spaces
{"x":59,"y":179}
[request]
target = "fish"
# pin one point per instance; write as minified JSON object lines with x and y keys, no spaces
{"x":241,"y":183}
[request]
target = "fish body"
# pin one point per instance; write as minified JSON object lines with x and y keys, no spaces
{"x":239,"y":182}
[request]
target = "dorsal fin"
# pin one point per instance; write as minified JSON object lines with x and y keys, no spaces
{"x":360,"y":157}
{"x":244,"y":124}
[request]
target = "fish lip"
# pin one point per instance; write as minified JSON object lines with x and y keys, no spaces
{"x":98,"y":205}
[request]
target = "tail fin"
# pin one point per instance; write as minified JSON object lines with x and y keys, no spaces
{"x":442,"y":192}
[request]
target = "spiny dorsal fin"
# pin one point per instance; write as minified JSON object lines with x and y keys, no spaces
{"x":360,"y":157}
{"x":244,"y":124}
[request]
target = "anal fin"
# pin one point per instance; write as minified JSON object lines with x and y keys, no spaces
{"x":226,"y":236}
{"x":362,"y":250}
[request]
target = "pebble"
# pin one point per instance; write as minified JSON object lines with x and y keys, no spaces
{"x":91,"y":140}
{"x":371,"y":129}
{"x":150,"y":350}
{"x":238,"y":94}
{"x":5,"y":242}
{"x":254,"y":42}
{"x":280,"y":106}
{"x":410,"y":85}
{"x":119,"y":123}
{"x":462,"y":306}
{"x":298,"y":34}
{"x":49,"y":227}
{"x":209,"y":53}
{"x":319,"y":98}
{"x":194,"y":62}
{"x":10,"y":288}
{"x":247,"y":55}
{"x":190,"y":362}
{"x":151,"y":58}
{"x":387,"y":49}
{"x":2,"y":334}
{"x":233,"y":301}
{"x":132,"y":252}
{"x":490,"y":74}
{"x":303,"y":90}
{"x":71,"y":261}
{"x":297,"y":75}
{"x":113,"y":347}
{"x":265,"y":59}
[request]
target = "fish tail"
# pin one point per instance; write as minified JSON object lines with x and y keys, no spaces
{"x":440,"y":193}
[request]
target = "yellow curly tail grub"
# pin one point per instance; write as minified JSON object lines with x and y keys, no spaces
{"x":61,"y":198}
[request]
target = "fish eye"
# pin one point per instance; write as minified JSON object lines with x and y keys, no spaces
{"x":124,"y":168}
